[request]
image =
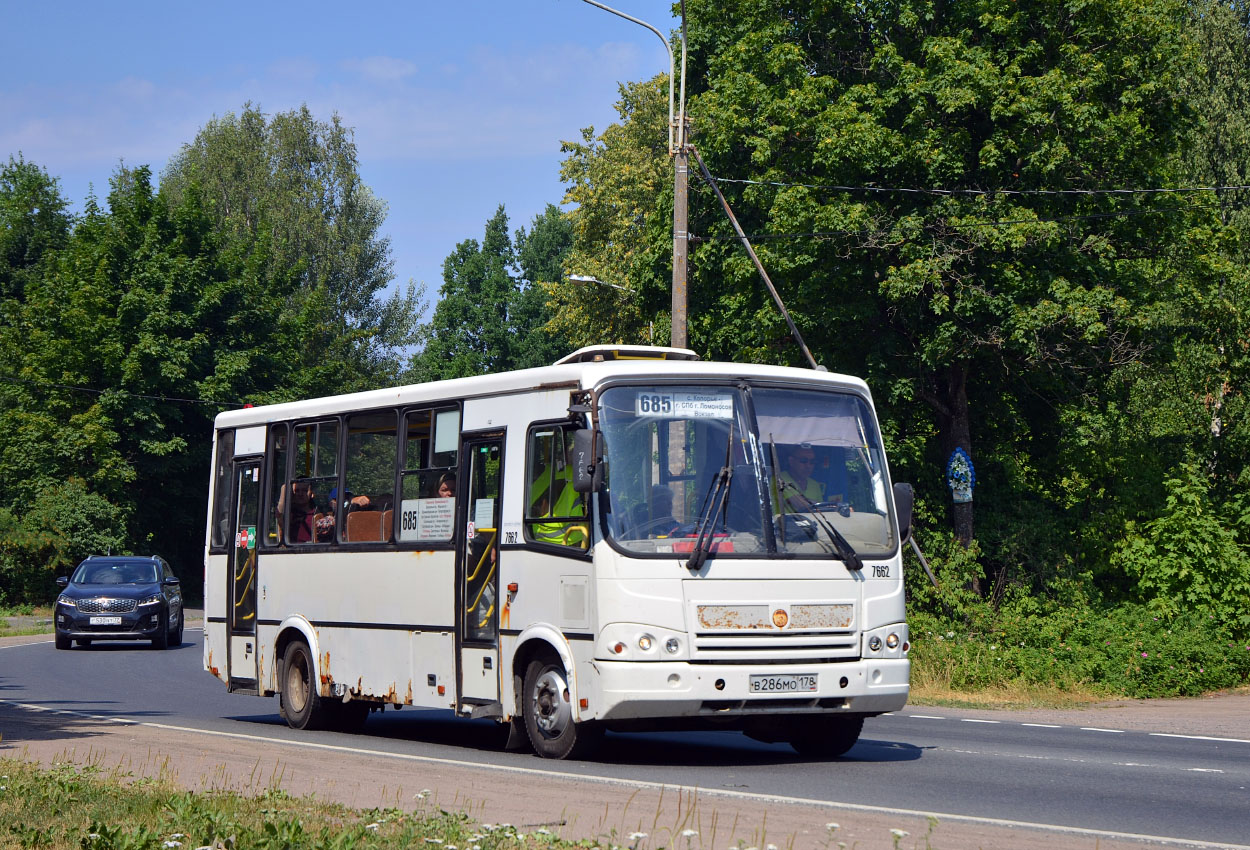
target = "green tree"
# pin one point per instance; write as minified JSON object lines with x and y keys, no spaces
{"x":492,"y":313}
{"x":621,"y":185}
{"x":988,"y":313}
{"x":33,"y":223}
{"x":540,"y":255}
{"x":288,"y":187}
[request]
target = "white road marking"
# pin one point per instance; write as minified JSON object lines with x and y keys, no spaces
{"x":926,"y":716}
{"x":975,"y":720}
{"x":1043,"y":725}
{"x":659,"y":786}
{"x":1200,"y":738}
{"x":1096,"y":729}
{"x":1203,"y":770}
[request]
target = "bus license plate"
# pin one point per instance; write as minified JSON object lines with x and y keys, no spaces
{"x":763,"y":683}
{"x":106,"y":621}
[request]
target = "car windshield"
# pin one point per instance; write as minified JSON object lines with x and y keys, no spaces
{"x":116,"y":572}
{"x":804,"y":468}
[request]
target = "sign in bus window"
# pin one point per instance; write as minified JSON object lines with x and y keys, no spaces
{"x":684,"y":405}
{"x":427,"y":519}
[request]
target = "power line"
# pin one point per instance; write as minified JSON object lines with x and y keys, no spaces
{"x":829,"y":187}
{"x":816,"y":234}
{"x":126,"y":393}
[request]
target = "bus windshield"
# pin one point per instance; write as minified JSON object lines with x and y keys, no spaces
{"x":767,"y":471}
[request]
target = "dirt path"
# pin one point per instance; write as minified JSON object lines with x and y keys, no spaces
{"x":574,"y":807}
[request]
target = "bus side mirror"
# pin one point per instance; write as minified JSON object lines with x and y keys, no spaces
{"x":587,"y":465}
{"x":904,"y":498}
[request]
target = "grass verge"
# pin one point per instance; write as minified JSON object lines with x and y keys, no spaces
{"x":73,"y":807}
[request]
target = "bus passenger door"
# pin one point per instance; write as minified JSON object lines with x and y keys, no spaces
{"x":478,"y":609}
{"x":241,"y":578}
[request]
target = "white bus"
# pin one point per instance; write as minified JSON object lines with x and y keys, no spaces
{"x":629,"y":539}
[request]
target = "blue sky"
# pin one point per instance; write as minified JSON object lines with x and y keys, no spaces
{"x":457,"y":107}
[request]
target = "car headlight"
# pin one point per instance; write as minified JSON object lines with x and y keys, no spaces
{"x":155,"y":599}
{"x":67,"y":601}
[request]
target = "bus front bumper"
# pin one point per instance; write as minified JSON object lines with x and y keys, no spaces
{"x":629,"y":690}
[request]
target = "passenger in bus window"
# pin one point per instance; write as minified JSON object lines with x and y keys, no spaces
{"x":447,"y":486}
{"x":302,"y":513}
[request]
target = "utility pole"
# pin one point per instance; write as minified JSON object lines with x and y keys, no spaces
{"x":681,"y":238}
{"x":678,"y":148}
{"x":681,"y":217}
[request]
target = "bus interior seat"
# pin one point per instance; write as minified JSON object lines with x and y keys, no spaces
{"x":364,"y":526}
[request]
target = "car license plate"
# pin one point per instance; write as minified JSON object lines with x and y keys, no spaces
{"x":766,"y":683}
{"x":106,"y":621}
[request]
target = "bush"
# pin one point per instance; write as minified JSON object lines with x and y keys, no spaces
{"x":1124,"y":650}
{"x":1189,"y":558}
{"x":66,"y":523}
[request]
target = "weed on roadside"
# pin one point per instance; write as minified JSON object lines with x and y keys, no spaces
{"x":72,"y":807}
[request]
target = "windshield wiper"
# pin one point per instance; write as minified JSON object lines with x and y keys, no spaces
{"x":840,"y":544}
{"x":713,"y":506}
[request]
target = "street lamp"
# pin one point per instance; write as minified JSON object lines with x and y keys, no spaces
{"x":585,"y":278}
{"x":677,"y":148}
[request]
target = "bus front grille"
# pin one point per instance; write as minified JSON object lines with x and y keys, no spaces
{"x":780,"y":647}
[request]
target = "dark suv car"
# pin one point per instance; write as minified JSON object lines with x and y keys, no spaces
{"x":120,"y":597}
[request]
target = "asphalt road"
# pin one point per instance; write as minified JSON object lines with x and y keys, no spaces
{"x":1164,"y":784}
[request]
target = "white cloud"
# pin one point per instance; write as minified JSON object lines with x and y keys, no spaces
{"x":135,"y":88}
{"x":384,"y":69}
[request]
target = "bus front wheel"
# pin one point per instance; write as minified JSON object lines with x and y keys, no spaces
{"x":549,"y":714}
{"x":826,"y":737}
{"x":301,"y":704}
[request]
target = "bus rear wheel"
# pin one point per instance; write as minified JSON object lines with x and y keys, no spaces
{"x":548,"y":714}
{"x":301,"y":704}
{"x":826,"y":737}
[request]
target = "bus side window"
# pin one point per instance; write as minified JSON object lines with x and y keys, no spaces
{"x":222,"y":483}
{"x":427,"y":505}
{"x":277,"y":457}
{"x":369,"y":475}
{"x":555,"y":514}
{"x":315,"y":453}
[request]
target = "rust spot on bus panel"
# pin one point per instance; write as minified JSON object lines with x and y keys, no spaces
{"x":734,"y":617}
{"x":325,"y":669}
{"x":408,"y":696}
{"x":822,"y":616}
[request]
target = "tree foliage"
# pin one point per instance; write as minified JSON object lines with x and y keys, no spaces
{"x":492,"y":314}
{"x":254,"y":274}
{"x":935,"y":175}
{"x":285,"y":190}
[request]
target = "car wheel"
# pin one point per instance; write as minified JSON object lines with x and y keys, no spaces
{"x":826,"y":737}
{"x":176,"y":639}
{"x":301,"y":704}
{"x":63,"y":642}
{"x":549,"y":714}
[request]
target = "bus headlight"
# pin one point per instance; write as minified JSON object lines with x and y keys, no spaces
{"x":641,"y":642}
{"x":886,"y":641}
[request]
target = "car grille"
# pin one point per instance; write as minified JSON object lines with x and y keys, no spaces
{"x":106,"y":606}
